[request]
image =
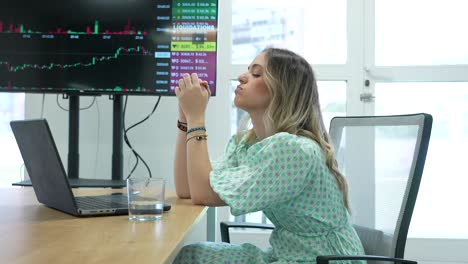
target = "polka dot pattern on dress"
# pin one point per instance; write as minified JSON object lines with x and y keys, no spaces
{"x":286,"y":177}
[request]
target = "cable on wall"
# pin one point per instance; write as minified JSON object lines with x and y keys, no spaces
{"x":84,"y":108}
{"x":98,"y":135}
{"x":127,"y":141}
{"x":42,"y":105}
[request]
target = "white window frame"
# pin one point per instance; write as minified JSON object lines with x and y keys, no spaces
{"x":360,"y":67}
{"x":425,"y":250}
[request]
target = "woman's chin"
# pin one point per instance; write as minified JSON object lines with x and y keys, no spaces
{"x":236,"y":102}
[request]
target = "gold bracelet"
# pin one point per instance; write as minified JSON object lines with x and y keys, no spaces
{"x":197,"y":137}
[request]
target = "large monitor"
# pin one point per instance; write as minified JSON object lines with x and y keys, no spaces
{"x":138,"y":47}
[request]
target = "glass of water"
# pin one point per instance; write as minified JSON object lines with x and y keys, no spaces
{"x":145,"y":198}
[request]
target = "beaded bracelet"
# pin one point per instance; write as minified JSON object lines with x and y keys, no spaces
{"x":198,"y":137}
{"x":182,"y":126}
{"x":196,"y":129}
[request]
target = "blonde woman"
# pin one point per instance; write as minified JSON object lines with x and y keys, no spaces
{"x":283,"y":166}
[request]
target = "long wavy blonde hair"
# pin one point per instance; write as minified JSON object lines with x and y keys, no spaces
{"x":295,"y":107}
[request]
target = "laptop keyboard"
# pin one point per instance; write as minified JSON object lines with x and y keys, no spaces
{"x":102,"y":201}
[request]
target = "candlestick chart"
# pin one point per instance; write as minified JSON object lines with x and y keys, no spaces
{"x":66,"y":46}
{"x":108,"y":46}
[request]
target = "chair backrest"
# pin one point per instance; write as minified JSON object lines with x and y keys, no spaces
{"x":382,"y":158}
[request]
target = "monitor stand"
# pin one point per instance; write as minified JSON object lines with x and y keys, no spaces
{"x":116,"y":181}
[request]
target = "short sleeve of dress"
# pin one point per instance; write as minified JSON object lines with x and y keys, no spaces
{"x":228,"y":159}
{"x":265,"y":174}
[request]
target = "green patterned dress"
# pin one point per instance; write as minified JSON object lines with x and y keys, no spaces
{"x":286,"y":177}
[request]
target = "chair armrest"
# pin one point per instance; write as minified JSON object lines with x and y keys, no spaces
{"x":327,"y":259}
{"x":224,"y":228}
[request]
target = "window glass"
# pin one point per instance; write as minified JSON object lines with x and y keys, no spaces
{"x":314,"y":29}
{"x":332,"y":99}
{"x":442,"y":193}
{"x":11,"y":108}
{"x":421,"y":32}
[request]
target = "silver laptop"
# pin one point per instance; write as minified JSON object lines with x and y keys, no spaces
{"x":48,"y":176}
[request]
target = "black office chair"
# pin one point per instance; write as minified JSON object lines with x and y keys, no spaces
{"x":391,"y":153}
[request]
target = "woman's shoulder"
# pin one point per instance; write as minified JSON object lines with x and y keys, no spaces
{"x":287,"y":141}
{"x":285,"y":137}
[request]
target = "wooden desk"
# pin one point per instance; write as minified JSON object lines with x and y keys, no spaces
{"x":33,"y":233}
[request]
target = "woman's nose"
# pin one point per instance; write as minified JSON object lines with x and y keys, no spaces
{"x":242,"y":78}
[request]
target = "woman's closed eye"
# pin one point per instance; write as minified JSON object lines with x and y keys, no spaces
{"x":256,"y":75}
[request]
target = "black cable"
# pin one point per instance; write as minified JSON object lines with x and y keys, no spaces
{"x":84,"y":108}
{"x":61,"y":107}
{"x":90,"y":105}
{"x":146,"y":118}
{"x":127,"y":141}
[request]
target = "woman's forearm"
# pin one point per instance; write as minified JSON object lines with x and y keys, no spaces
{"x":198,"y":170}
{"x":193,"y":95}
{"x":180,"y":166}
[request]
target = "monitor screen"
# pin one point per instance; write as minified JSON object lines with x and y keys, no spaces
{"x":106,"y":46}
